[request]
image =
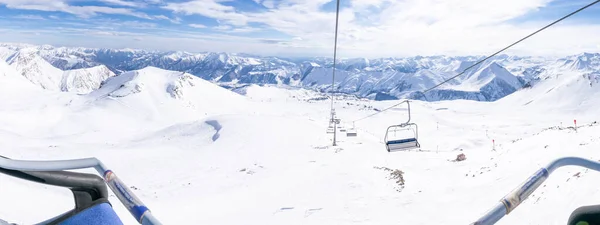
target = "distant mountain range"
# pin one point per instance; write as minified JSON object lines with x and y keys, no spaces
{"x":32,"y":66}
{"x":84,"y":69}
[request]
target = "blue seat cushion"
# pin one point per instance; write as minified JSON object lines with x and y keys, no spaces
{"x":402,"y":141}
{"x":101,"y":214}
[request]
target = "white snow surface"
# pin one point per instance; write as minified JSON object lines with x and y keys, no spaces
{"x":485,"y":75}
{"x":199,"y":154}
{"x":5,"y":53}
{"x":12,"y":80}
{"x":83,"y":81}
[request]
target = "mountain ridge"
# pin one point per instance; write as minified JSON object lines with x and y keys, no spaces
{"x":28,"y":63}
{"x":369,"y":78}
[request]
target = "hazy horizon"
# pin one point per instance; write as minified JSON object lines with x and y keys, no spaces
{"x":290,"y":28}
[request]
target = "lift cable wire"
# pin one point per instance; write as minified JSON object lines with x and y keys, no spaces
{"x":486,"y":58}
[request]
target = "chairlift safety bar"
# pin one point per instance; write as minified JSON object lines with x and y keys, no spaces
{"x":518,"y":195}
{"x":137,"y":209}
{"x":415,"y":132}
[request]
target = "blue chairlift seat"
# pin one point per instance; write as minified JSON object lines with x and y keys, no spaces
{"x":100,"y":214}
{"x":351,"y":133}
{"x":402,"y":144}
{"x":406,"y":143}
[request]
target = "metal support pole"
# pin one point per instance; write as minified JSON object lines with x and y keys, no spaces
{"x":334,"y":132}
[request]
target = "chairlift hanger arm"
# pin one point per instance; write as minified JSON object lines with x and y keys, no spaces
{"x":408,"y":104}
{"x":408,"y":107}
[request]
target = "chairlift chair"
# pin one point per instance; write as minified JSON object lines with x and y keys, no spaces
{"x":342,"y":128}
{"x":351,"y":132}
{"x":404,"y":142}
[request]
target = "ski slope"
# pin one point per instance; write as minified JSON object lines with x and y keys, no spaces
{"x":196,"y":153}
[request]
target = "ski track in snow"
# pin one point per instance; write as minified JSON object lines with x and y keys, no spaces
{"x":208,"y":156}
{"x":217,"y":126}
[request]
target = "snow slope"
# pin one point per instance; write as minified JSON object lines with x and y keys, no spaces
{"x":36,"y":69}
{"x":83,"y":81}
{"x":5,"y":53}
{"x":577,"y":91}
{"x":156,"y":93}
{"x":12,"y":80}
{"x":199,"y":154}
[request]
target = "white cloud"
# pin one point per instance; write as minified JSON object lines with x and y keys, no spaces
{"x":394,"y":28}
{"x":196,"y":41}
{"x":29,"y":17}
{"x":124,"y":3}
{"x":175,"y":20}
{"x":223,"y":27}
{"x":103,"y":33}
{"x":133,"y":24}
{"x":62,"y":6}
{"x":209,"y":8}
{"x":269,"y":4}
{"x":197,"y":25}
{"x":246,"y":29}
{"x":112,"y":24}
{"x":368,"y":28}
{"x":266,"y":3}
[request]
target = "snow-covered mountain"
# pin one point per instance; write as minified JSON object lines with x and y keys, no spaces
{"x":156,"y":92}
{"x":36,"y":69}
{"x":28,"y":63}
{"x":85,"y":80}
{"x":380,"y":79}
{"x":160,"y":84}
{"x":573,"y":82}
{"x":10,"y":79}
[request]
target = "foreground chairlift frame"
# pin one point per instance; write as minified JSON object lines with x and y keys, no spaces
{"x":518,"y":195}
{"x":82,"y":185}
{"x":403,"y":144}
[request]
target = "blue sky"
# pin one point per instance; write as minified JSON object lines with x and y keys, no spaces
{"x":368,"y":28}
